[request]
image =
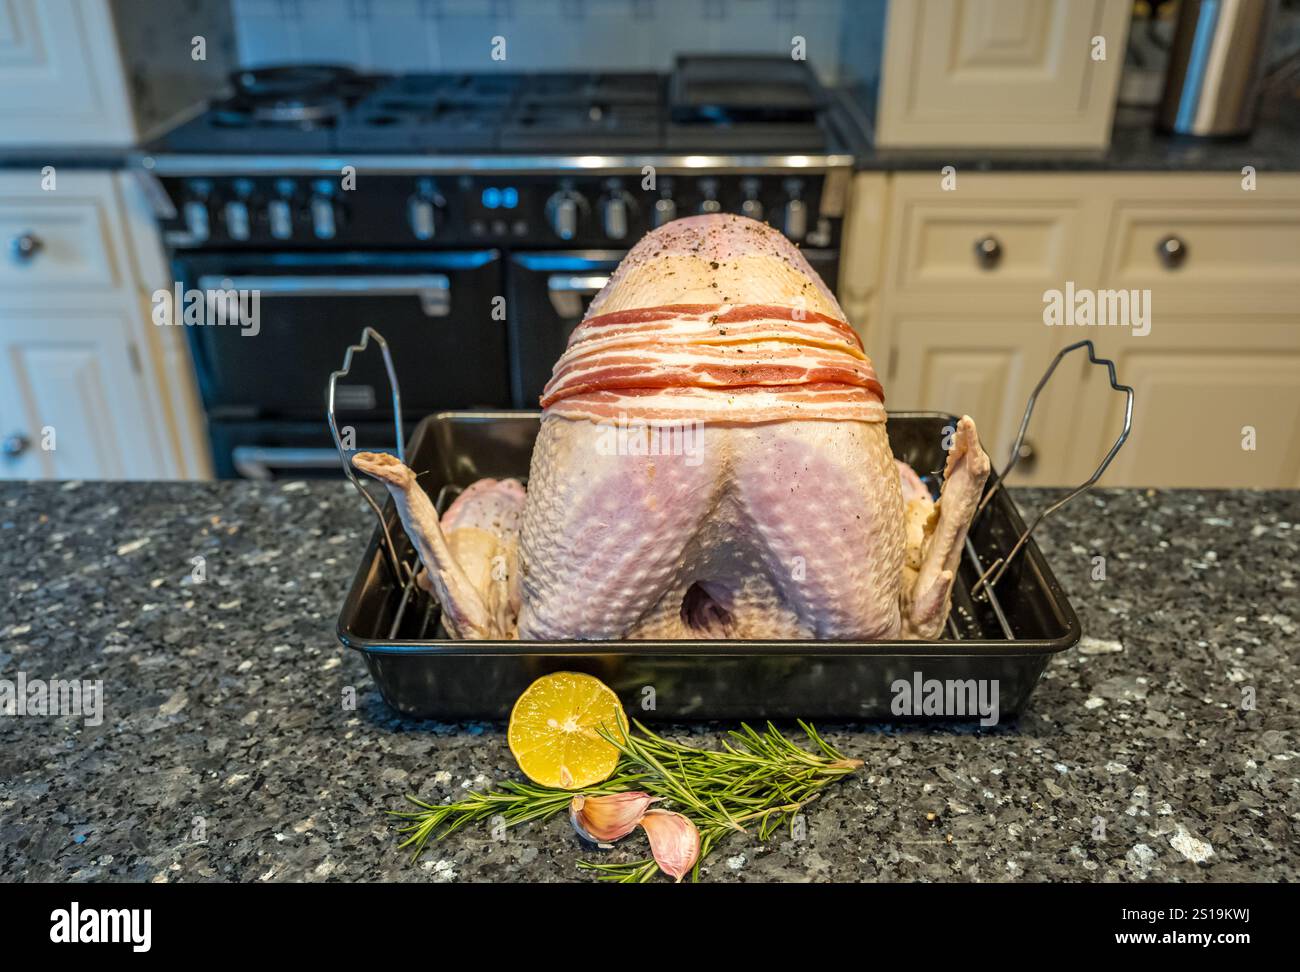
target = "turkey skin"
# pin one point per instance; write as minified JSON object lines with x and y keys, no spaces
{"x":712,"y":462}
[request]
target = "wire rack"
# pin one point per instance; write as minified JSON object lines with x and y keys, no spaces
{"x":405,"y":567}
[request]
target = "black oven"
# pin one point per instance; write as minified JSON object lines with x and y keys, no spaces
{"x":263,"y":375}
{"x":549,"y":294}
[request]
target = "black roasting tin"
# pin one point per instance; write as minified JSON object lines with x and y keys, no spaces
{"x":422,"y":674}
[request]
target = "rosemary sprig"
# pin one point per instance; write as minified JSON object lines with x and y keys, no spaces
{"x":757,"y":781}
{"x":760,"y":779}
{"x":515,"y":802}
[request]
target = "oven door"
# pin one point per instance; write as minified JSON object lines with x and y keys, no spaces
{"x":549,"y":293}
{"x":288,"y":450}
{"x":434,"y":309}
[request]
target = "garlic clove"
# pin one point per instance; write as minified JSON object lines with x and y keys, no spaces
{"x":606,"y":818}
{"x":674,"y":841}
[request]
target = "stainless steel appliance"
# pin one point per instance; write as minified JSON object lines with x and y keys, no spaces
{"x":470,"y":217}
{"x":1215,"y":63}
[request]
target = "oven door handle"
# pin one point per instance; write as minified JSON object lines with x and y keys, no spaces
{"x":433,"y":289}
{"x":260,"y":462}
{"x":566,"y":291}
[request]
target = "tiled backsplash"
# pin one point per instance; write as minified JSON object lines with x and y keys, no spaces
{"x":541,"y":35}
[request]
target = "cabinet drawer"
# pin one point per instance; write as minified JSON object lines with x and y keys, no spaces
{"x":56,"y":242}
{"x":1240,"y":255}
{"x":987,"y":238}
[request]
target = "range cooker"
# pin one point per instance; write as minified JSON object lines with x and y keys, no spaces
{"x":470,"y":218}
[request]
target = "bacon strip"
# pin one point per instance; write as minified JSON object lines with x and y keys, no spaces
{"x":722,"y":362}
{"x":716,"y":315}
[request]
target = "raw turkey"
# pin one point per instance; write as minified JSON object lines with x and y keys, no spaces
{"x":712,"y":463}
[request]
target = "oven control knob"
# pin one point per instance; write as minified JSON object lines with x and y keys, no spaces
{"x":197,"y":224}
{"x":614,"y":217}
{"x":324,"y":217}
{"x":665,"y":211}
{"x":614,"y":211}
{"x":236,"y":216}
{"x":279,"y":213}
{"x":751,"y":206}
{"x":563,"y":210}
{"x":794,"y":217}
{"x":420,"y":214}
{"x":709,"y":190}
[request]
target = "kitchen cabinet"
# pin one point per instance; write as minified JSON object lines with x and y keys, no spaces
{"x":1211,"y":263}
{"x":89,"y":387}
{"x":105,"y":72}
{"x":864,"y":237}
{"x":71,"y":403}
{"x":60,"y":74}
{"x":1009,"y":73}
{"x":1216,"y":403}
{"x":960,"y":324}
{"x":985,"y":368}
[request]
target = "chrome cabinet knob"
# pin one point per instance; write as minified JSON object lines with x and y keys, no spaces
{"x":1028,"y":455}
{"x":1172,"y":252}
{"x":24,"y":247}
{"x":13,"y":446}
{"x":988,"y":252}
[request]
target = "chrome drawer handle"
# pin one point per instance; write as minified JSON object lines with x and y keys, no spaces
{"x":988,"y":252}
{"x":566,"y":291}
{"x":1172,"y":252}
{"x":257,"y":462}
{"x":433,"y":289}
{"x":24,"y":247}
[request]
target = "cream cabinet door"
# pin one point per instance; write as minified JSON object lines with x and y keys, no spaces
{"x":72,"y":403}
{"x":986,"y":369}
{"x":991,"y":73}
{"x":1216,"y":404}
{"x":60,"y":75}
{"x":1204,"y":242}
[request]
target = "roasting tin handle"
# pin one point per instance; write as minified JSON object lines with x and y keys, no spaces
{"x":389,"y":547}
{"x":999,"y":566}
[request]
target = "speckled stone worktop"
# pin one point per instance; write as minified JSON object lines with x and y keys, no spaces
{"x":225,"y":752}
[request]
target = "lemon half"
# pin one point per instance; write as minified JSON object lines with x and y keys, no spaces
{"x":553,"y":730}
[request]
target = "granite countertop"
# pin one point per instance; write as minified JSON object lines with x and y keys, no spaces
{"x":1136,"y":146}
{"x":225,"y":752}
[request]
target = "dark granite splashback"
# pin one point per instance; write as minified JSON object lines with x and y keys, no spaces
{"x":226,"y":750}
